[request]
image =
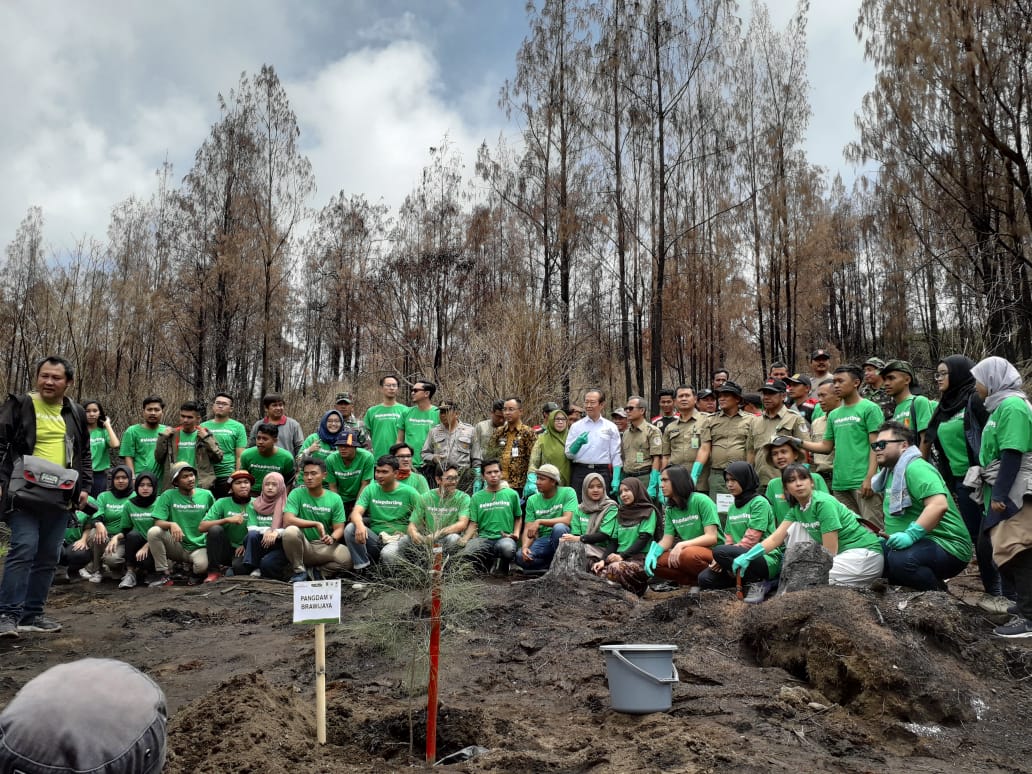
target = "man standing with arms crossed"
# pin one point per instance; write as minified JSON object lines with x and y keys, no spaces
{"x":231,"y":436}
{"x":384,"y":421}
{"x":44,"y":424}
{"x":593,"y":444}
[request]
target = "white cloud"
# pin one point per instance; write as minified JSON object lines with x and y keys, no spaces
{"x":371,"y":118}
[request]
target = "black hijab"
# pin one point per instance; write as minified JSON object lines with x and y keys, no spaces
{"x":955,"y":398}
{"x":745,"y":475}
{"x":139,"y":500}
{"x":121,"y":494}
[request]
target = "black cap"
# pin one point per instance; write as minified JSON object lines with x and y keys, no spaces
{"x":731,"y":387}
{"x":549,"y":407}
{"x":798,"y":379}
{"x":773,"y":385}
{"x":704,"y":393}
{"x":817,"y":354}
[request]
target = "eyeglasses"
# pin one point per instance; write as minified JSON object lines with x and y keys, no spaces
{"x":880,"y":445}
{"x":418,"y":389}
{"x":632,"y":408}
{"x":403,"y":456}
{"x":940,"y":375}
{"x":444,"y":409}
{"x":449,"y":478}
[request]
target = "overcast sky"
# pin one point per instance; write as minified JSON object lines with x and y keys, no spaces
{"x":98,"y":94}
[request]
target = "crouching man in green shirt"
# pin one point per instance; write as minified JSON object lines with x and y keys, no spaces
{"x":390,"y":505}
{"x":315,"y":522}
{"x":444,"y":512}
{"x":928,"y":542}
{"x":176,"y":533}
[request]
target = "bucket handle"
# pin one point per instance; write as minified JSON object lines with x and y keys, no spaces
{"x":649,"y":675}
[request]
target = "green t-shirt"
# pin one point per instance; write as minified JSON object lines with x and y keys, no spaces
{"x":1008,"y":427}
{"x":259,"y":521}
{"x":280,"y":461}
{"x":139,"y":518}
{"x":389,"y":511}
{"x":185,"y":511}
{"x":538,"y":508}
{"x":850,"y":428}
{"x":435,"y":514}
{"x":224,"y":508}
{"x":186,"y":450}
{"x":230,"y":436}
{"x":627,"y":536}
{"x":954,"y":443}
{"x":417,"y":481}
{"x":383,"y":422}
{"x":417,"y":426}
{"x":495,"y":513}
{"x":138,"y":442}
{"x":755,"y":514}
{"x":324,"y":452}
{"x":775,"y":495}
{"x":348,"y":478}
{"x":924,"y":481}
{"x":826,"y":514}
{"x":581,"y":521}
{"x":690,"y":522}
{"x":327,"y":509}
{"x":111,"y":509}
{"x":817,"y":413}
{"x":99,"y":449}
{"x":74,"y":533}
{"x":914,"y":413}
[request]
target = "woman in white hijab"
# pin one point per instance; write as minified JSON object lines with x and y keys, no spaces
{"x":1006,"y":464}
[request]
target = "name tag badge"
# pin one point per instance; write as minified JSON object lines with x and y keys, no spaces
{"x":696,"y":442}
{"x":515,"y":452}
{"x":724,"y":503}
{"x":639,"y":458}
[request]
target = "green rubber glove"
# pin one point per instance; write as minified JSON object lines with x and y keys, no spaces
{"x":531,"y":486}
{"x":578,"y":443}
{"x":617,"y":477}
{"x":655,"y":551}
{"x":741,"y":563}
{"x":907,"y":538}
{"x":696,"y":470}
{"x":654,"y":485}
{"x":478,"y":482}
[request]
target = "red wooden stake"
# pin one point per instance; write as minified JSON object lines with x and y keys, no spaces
{"x":435,"y":653}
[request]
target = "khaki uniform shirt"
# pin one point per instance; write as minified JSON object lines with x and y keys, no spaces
{"x":638,"y":446}
{"x":764,"y":428}
{"x":728,"y":437}
{"x":822,"y":463}
{"x":682,"y":439}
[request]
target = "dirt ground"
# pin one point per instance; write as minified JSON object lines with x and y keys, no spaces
{"x":819,"y":680}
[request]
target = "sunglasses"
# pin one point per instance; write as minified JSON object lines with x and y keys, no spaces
{"x":880,"y":445}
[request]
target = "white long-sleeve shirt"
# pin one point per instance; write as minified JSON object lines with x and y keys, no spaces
{"x":603,"y":446}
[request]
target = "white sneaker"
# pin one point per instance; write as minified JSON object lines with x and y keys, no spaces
{"x":256,"y":573}
{"x":95,"y":577}
{"x":128,"y":580}
{"x":84,"y":573}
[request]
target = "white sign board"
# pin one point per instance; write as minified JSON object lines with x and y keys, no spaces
{"x":317,"y":602}
{"x":724,"y":503}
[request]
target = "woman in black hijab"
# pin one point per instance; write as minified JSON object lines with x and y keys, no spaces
{"x":956,"y":423}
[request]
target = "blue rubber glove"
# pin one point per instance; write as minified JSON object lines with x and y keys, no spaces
{"x":478,"y":482}
{"x":654,"y":485}
{"x":741,"y":563}
{"x":907,"y":538}
{"x":655,"y":551}
{"x":617,"y":477}
{"x":696,"y":470}
{"x":578,"y":443}
{"x":531,"y":486}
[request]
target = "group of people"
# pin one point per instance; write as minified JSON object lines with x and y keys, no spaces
{"x":710,"y":493}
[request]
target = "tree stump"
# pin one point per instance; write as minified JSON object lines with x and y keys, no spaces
{"x":805,"y":565}
{"x":569,"y":562}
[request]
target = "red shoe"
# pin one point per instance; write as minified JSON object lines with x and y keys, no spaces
{"x":212,"y":576}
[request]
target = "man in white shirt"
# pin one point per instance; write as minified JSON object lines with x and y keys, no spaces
{"x":593,"y":444}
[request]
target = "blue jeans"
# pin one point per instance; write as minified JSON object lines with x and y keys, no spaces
{"x":924,"y":566}
{"x":29,"y":566}
{"x":542,"y":550}
{"x":485,"y":550}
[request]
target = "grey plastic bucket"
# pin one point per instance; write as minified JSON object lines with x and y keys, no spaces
{"x":641,"y":677}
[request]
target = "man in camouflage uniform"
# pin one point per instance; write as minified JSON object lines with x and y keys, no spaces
{"x":874,"y":386}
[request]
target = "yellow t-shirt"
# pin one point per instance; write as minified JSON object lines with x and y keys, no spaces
{"x":50,"y":431}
